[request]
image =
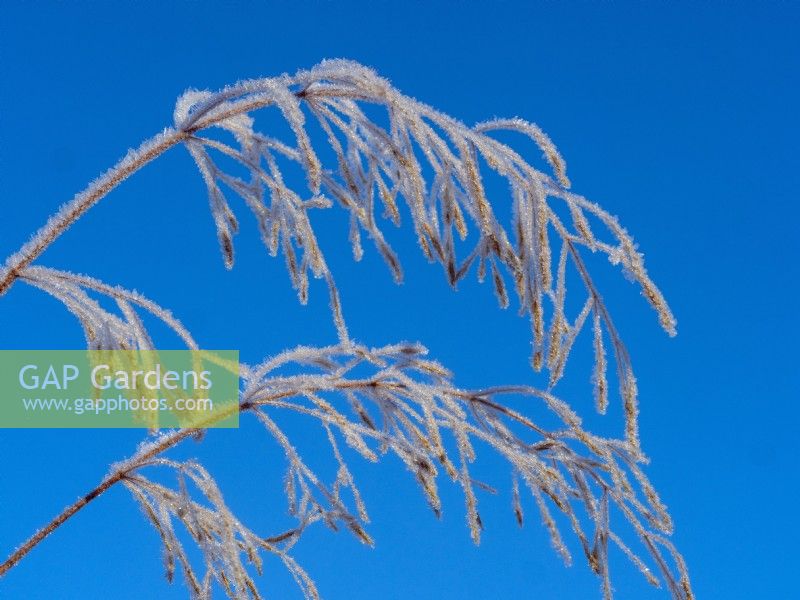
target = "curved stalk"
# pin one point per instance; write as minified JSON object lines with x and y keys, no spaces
{"x":121,"y":472}
{"x":112,"y":479}
{"x":75,"y":208}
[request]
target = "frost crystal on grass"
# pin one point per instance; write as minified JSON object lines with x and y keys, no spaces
{"x":375,"y":401}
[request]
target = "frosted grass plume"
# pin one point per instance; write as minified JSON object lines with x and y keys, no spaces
{"x":435,"y":166}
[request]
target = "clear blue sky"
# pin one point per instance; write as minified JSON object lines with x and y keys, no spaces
{"x":680,"y":119}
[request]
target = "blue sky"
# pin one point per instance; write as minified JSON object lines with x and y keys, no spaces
{"x":680,"y":119}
